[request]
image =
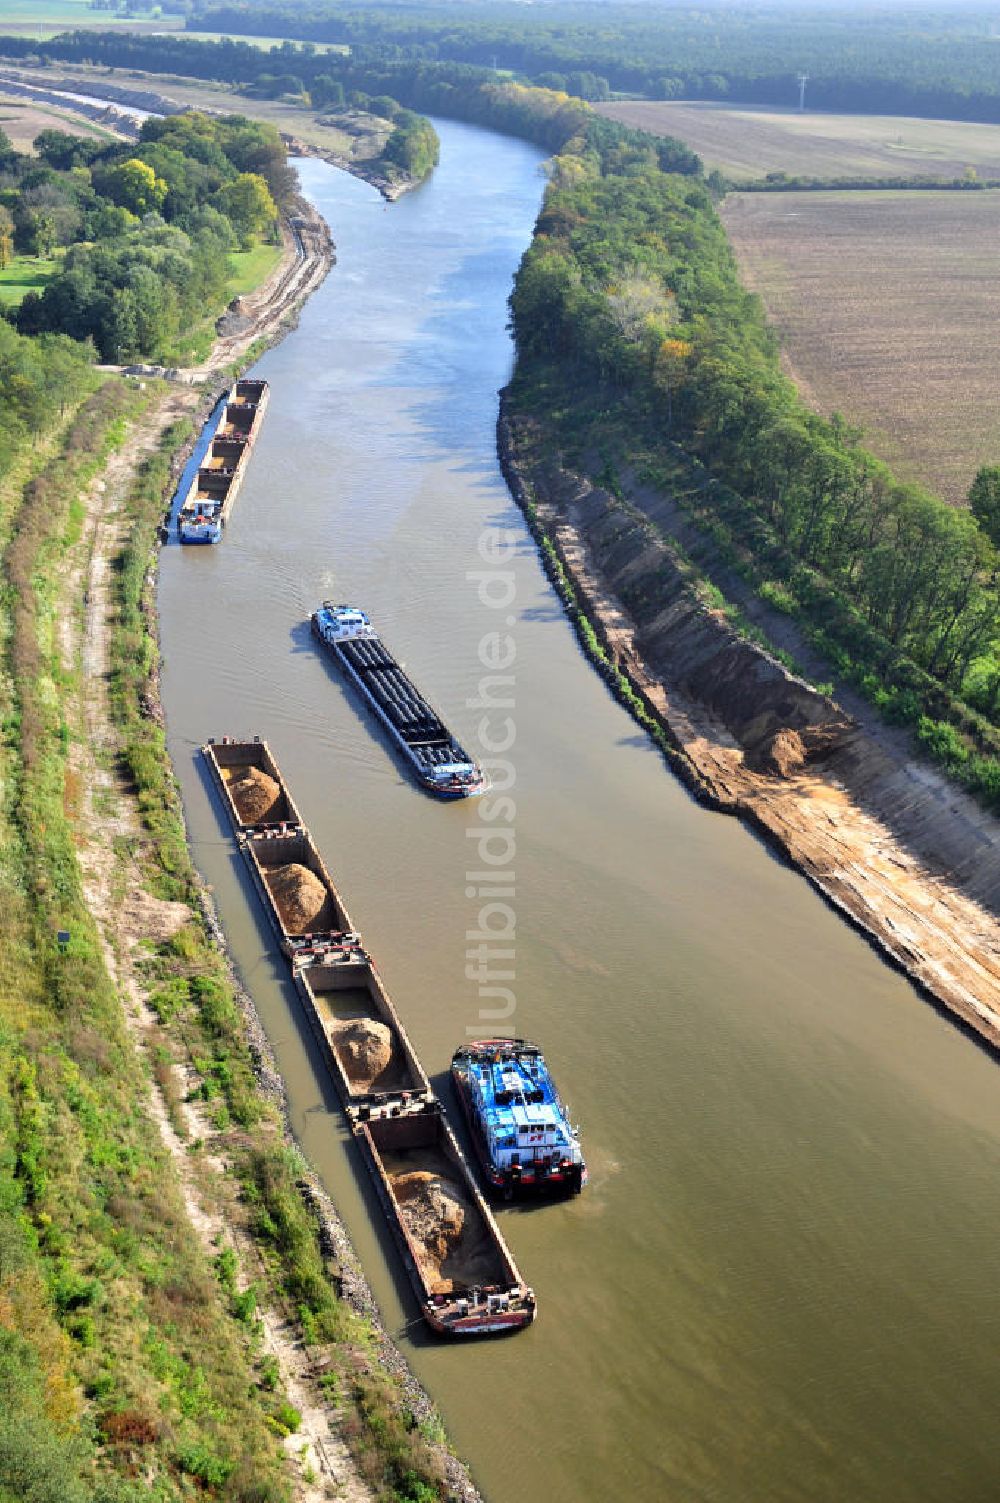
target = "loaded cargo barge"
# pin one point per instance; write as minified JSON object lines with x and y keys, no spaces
{"x":205,"y":509}
{"x":440,"y":763}
{"x":458,"y":1263}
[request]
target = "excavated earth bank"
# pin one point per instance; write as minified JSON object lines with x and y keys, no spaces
{"x":907,"y":857}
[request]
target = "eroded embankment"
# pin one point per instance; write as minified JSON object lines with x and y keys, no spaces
{"x":912,"y":861}
{"x":368,"y":169}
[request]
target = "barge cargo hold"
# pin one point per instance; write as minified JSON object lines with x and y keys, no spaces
{"x":521,"y":1130}
{"x":306,"y":910}
{"x":456,"y":1258}
{"x":460,"y":1268}
{"x":206,"y":507}
{"x":440,"y":763}
{"x":370,"y":1056}
{"x":251,"y":785}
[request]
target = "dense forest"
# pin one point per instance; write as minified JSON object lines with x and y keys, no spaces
{"x":146,"y":227}
{"x":893,"y":62}
{"x":918,"y":59}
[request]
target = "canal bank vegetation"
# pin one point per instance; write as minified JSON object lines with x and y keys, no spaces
{"x":144,"y":230}
{"x":203,"y":1024}
{"x":132,"y":1362}
{"x":635,"y":336}
{"x":125,"y":1376}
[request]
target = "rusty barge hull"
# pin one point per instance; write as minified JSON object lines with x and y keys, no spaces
{"x":411,"y":1153}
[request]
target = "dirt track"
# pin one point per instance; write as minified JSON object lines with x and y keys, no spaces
{"x":319,"y":1460}
{"x":320,"y":1465}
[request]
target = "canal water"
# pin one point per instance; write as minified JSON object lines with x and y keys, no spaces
{"x":782,"y":1282}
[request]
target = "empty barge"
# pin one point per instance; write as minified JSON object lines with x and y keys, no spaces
{"x":454,"y":1253}
{"x":205,"y":509}
{"x":440,"y":763}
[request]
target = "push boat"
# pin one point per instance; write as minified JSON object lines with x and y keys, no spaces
{"x":521,"y":1130}
{"x":442,"y":766}
{"x":205,"y":509}
{"x":461,"y":1270}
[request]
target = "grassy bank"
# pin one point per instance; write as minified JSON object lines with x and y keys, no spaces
{"x":129,"y":1377}
{"x":204,"y":1029}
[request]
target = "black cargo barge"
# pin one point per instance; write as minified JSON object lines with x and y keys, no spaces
{"x":442,"y":765}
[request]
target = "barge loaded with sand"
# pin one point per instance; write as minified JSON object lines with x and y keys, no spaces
{"x":455,"y":1256}
{"x":441,"y":764}
{"x":521,"y":1130}
{"x":205,"y":509}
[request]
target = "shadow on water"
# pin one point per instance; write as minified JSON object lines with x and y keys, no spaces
{"x":545,"y":612}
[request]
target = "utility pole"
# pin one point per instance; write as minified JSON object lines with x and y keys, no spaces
{"x":803,"y":80}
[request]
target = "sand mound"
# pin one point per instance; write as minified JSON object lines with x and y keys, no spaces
{"x":255,"y":795}
{"x":365,"y":1049}
{"x":300,"y":896}
{"x":434,"y":1210}
{"x":784,"y":754}
{"x":787,"y":751}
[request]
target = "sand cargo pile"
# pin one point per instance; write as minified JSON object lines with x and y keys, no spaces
{"x":456,"y":1259}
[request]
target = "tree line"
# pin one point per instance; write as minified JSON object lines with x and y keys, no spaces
{"x":875,"y":62}
{"x":629,"y":301}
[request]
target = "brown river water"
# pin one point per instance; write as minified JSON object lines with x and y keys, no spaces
{"x":783,"y":1281}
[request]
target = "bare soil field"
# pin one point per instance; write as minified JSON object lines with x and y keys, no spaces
{"x":746,"y":142}
{"x":23,"y":120}
{"x":888,"y":309}
{"x":355,"y":138}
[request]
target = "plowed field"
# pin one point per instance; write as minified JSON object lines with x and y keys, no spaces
{"x":888,"y":307}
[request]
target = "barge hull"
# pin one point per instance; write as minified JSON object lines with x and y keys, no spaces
{"x":323,"y":976}
{"x":498,"y":1306}
{"x":212,"y":494}
{"x":441,"y":764}
{"x":400,"y":1112}
{"x":234,"y":757}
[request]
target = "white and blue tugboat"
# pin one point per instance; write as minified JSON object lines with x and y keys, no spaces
{"x":200,"y":523}
{"x":521,"y":1129}
{"x":441,"y":764}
